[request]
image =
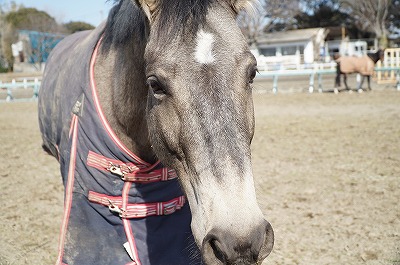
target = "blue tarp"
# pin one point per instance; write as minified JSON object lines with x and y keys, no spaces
{"x":41,"y":44}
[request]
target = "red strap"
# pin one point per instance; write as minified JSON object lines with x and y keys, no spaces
{"x":138,"y":210}
{"x":129,"y":171}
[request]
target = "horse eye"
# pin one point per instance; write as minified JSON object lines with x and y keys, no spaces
{"x":253,"y":74}
{"x":156,"y":87}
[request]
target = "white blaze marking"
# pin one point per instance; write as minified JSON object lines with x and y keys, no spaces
{"x":204,"y":47}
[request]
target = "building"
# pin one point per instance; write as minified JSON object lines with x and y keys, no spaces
{"x":347,"y":47}
{"x":292,"y":47}
{"x":32,"y":49}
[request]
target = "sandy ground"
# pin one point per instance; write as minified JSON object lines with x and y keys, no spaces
{"x":327,"y":171}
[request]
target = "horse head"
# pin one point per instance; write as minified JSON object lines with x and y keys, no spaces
{"x":378,"y":55}
{"x":200,"y":116}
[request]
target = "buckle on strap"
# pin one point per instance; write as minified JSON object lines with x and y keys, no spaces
{"x":115,"y":209}
{"x":115,"y":169}
{"x":130,"y":172}
{"x":137,"y":210}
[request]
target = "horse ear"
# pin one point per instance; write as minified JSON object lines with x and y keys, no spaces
{"x":240,"y":5}
{"x":149,"y":7}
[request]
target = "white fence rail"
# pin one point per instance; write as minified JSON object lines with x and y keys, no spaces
{"x":24,"y":86}
{"x":312,"y":73}
{"x":33,"y":84}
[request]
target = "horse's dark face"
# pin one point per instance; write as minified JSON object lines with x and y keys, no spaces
{"x":379,"y":55}
{"x":201,"y":123}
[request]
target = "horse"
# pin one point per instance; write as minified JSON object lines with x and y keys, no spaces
{"x":363,"y":65}
{"x":151,"y":118}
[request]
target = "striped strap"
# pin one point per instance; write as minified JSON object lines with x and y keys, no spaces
{"x":129,"y":171}
{"x":138,"y":210}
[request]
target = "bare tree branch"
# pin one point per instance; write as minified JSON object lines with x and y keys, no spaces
{"x":372,"y":15}
{"x":271,"y":13}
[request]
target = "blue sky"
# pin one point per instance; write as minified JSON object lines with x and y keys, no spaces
{"x":90,"y":11}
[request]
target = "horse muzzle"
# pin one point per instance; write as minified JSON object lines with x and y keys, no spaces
{"x":233,"y":247}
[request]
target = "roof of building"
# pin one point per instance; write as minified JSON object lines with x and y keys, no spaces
{"x":291,"y":35}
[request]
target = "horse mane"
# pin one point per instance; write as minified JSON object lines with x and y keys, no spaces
{"x":127,"y":20}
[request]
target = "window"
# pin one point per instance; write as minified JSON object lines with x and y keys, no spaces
{"x":289,"y":50}
{"x":268,"y":51}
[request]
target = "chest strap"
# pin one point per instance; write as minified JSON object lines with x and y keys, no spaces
{"x":129,"y":171}
{"x":137,"y":210}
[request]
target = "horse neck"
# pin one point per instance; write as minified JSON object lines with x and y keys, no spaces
{"x":120,"y":81}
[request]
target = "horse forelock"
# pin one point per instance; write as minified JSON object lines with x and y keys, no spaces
{"x":176,"y":16}
{"x":126,"y":19}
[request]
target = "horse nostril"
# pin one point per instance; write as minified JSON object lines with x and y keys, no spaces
{"x":251,"y":246}
{"x":268,"y":243}
{"x":223,"y":247}
{"x":212,"y":250}
{"x":216,"y":248}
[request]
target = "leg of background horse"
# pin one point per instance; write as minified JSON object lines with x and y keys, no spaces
{"x":359,"y":89}
{"x":369,"y":82}
{"x":337,"y":80}
{"x":345,"y":81}
{"x":338,"y":73}
{"x":337,"y":83}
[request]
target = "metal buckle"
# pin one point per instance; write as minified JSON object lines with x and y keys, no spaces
{"x":116,"y":169}
{"x":169,"y":210}
{"x":115,"y":209}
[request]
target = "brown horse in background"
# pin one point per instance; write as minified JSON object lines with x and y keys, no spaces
{"x":363,"y":65}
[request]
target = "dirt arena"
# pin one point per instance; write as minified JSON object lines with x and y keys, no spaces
{"x":327,"y":170}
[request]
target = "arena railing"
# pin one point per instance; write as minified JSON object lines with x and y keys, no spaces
{"x":315,"y":73}
{"x":9,"y":89}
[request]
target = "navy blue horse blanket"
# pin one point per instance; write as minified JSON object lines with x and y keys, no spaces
{"x":118,"y":208}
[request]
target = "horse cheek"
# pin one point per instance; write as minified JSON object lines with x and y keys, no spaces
{"x":164,"y":131}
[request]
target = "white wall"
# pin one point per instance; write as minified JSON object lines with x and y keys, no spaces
{"x":309,"y":52}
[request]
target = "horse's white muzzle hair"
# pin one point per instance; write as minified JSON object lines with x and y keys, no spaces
{"x":227,"y":222}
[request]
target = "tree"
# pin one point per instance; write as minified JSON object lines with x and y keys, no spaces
{"x":322,"y":14}
{"x":271,"y":13}
{"x":75,"y":26}
{"x":5,"y":37}
{"x":251,"y":26}
{"x":30,"y":19}
{"x":8,"y":36}
{"x":372,"y":15}
{"x":394,"y":17}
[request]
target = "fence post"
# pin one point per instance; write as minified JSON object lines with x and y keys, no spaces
{"x":275,"y":85}
{"x":36,"y":88}
{"x":319,"y":82}
{"x":9,"y":94}
{"x":311,"y":87}
{"x":9,"y":91}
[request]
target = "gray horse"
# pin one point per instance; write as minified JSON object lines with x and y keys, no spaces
{"x":149,"y":111}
